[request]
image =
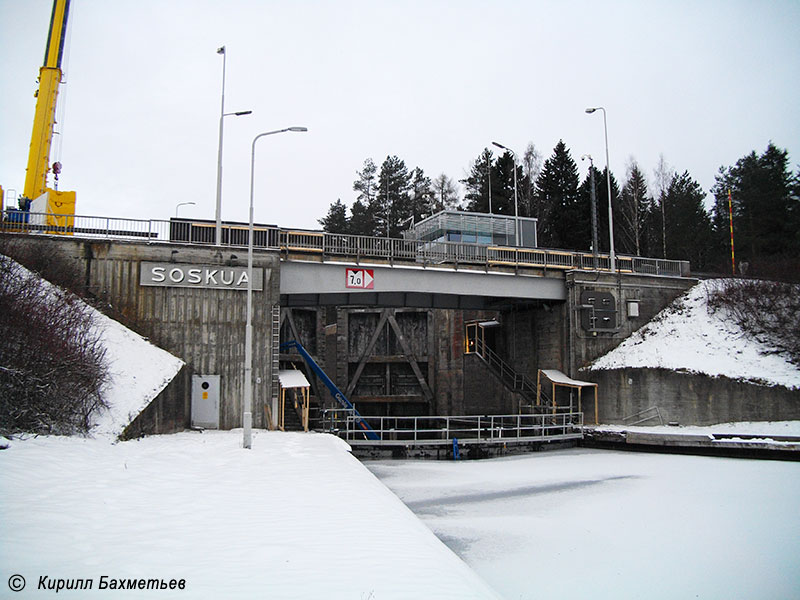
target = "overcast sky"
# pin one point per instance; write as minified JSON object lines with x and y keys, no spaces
{"x":433,"y":82}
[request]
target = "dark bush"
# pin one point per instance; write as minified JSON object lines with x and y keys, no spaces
{"x":768,"y":311}
{"x":52,"y":366}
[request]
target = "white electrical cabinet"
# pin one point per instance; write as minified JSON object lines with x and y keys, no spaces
{"x":205,"y":401}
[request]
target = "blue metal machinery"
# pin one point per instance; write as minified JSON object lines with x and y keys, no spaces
{"x":335,"y":391}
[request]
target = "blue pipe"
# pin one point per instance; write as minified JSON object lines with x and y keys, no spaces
{"x":335,"y":391}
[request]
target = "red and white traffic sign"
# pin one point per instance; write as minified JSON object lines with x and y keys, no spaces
{"x":360,"y":278}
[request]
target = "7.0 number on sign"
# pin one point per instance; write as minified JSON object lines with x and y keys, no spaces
{"x":360,"y":278}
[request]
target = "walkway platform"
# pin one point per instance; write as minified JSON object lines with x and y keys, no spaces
{"x":732,"y":445}
{"x":470,"y":436}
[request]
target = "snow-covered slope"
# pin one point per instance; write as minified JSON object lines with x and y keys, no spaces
{"x":687,"y":336}
{"x":138,"y":372}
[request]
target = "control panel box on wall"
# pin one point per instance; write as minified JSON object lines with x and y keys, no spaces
{"x":598,"y":311}
{"x":205,"y":401}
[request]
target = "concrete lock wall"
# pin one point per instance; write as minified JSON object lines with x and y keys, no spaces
{"x":203,"y":326}
{"x":650,"y":295}
{"x":690,"y":399}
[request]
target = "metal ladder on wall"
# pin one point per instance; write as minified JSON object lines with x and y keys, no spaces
{"x":276,"y":352}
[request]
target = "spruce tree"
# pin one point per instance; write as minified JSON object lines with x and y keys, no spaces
{"x":688,"y":225}
{"x":503,"y":185}
{"x":477,"y":183}
{"x":766,"y":206}
{"x":557,"y":189}
{"x":602,"y":211}
{"x":422,"y":197}
{"x":363,"y":220}
{"x":583,"y":226}
{"x":635,"y":206}
{"x":336,"y":220}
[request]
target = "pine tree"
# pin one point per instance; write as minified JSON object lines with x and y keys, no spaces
{"x":392,"y":202}
{"x":365,"y":184}
{"x":557,"y":189}
{"x":336,"y":220}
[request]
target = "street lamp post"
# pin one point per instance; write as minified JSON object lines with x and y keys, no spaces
{"x":608,"y":181}
{"x":516,"y":203}
{"x":177,"y":206}
{"x":247,"y":410}
{"x":222,"y":115}
{"x":593,"y":196}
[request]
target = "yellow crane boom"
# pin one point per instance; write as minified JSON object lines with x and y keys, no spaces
{"x":50,"y":74}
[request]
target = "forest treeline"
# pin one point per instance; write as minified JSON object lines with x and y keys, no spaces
{"x":665,"y":215}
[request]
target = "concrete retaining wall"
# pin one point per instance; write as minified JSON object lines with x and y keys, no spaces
{"x":690,"y":399}
{"x":204,"y":327}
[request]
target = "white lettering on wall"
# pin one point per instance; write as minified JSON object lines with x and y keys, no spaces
{"x":171,"y":274}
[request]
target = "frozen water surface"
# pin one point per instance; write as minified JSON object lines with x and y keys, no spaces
{"x":602,"y":524}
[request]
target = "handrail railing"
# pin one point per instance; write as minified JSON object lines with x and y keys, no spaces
{"x":441,"y":430}
{"x":517,"y":382}
{"x":331,"y":245}
{"x":648,"y":414}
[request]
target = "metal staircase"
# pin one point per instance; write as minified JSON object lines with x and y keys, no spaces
{"x":511,"y":379}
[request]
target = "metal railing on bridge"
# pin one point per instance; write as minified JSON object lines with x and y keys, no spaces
{"x":296,"y":243}
{"x":441,"y":430}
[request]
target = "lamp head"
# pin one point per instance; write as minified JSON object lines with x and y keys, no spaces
{"x":590,"y":110}
{"x":500,"y":145}
{"x":243,"y":112}
{"x":297,"y":129}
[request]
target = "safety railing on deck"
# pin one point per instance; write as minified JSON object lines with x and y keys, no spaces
{"x":295,"y":243}
{"x":441,"y":430}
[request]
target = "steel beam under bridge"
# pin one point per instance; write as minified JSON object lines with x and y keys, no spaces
{"x":314,"y":283}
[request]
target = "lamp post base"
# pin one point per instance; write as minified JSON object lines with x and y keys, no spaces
{"x":248,"y":430}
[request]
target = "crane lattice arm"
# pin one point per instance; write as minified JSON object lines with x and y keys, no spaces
{"x":44,"y":119}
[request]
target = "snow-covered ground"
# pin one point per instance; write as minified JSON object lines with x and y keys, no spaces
{"x":601,"y":524}
{"x":687,"y":336}
{"x":295,"y":517}
{"x":298,"y":517}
